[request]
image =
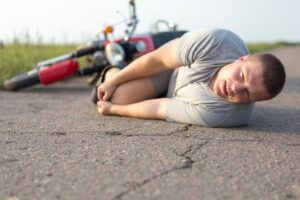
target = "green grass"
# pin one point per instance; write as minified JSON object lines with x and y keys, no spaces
{"x":264,"y":46}
{"x":17,"y":57}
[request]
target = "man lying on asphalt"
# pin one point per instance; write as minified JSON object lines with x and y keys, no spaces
{"x":206,"y":78}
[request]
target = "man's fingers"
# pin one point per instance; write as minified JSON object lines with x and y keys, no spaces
{"x":105,"y":92}
{"x":105,"y":97}
{"x":98,"y":93}
{"x":100,"y":106}
{"x":100,"y":110}
{"x":101,"y":96}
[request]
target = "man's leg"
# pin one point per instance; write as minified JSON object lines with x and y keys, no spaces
{"x":137,"y":98}
{"x":138,"y":90}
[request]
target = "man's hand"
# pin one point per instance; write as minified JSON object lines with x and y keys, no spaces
{"x":104,"y":107}
{"x":105,"y":90}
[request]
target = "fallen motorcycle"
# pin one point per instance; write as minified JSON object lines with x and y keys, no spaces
{"x":100,"y":54}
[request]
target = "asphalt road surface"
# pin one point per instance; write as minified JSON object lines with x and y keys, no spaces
{"x":54,"y":145}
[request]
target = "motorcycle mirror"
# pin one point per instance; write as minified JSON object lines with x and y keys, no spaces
{"x":131,"y":2}
{"x":169,"y":25}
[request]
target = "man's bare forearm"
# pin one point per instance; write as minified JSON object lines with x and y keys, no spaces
{"x":149,"y":109}
{"x":142,"y":67}
{"x":161,"y":59}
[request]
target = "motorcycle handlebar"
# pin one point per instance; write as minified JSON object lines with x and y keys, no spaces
{"x":90,"y":70}
{"x":88,"y":50}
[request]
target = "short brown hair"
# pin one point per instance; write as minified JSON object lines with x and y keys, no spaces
{"x":273,"y":72}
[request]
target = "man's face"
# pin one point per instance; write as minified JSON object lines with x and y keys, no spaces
{"x":240,"y":82}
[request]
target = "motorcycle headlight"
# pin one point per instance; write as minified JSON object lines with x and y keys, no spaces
{"x":114,"y":53}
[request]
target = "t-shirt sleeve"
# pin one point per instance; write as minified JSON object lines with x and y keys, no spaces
{"x":189,"y":113}
{"x":210,"y":46}
{"x":196,"y":46}
{"x":185,"y":112}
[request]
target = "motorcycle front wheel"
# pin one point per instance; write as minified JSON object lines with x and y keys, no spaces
{"x":22,"y":80}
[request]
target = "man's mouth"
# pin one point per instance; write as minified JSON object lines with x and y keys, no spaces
{"x":225,"y":89}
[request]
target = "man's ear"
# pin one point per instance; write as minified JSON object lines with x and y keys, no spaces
{"x":243,"y":58}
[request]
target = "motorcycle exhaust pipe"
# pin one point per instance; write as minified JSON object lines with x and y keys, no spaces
{"x":58,"y":71}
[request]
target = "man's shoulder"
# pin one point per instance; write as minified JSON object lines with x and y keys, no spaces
{"x":213,"y":33}
{"x":213,"y":38}
{"x":229,"y":115}
{"x":216,"y":44}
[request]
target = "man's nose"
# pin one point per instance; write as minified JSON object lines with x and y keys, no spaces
{"x":237,"y":87}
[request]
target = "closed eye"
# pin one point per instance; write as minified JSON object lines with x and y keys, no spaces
{"x":246,"y":91}
{"x":242,"y":75}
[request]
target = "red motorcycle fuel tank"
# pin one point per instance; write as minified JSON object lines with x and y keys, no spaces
{"x":58,"y":71}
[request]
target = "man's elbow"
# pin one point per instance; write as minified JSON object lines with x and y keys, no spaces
{"x":161,"y":111}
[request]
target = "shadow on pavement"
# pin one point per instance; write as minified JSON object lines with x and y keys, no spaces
{"x":267,"y":118}
{"x":58,"y":89}
{"x":275,"y":120}
{"x":292,"y":85}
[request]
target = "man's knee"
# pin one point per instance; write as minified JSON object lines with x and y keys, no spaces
{"x":133,"y":92}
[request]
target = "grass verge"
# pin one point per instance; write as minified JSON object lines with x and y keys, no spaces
{"x":17,"y":57}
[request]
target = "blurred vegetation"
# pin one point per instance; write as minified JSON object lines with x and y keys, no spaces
{"x":264,"y":46}
{"x":17,"y":57}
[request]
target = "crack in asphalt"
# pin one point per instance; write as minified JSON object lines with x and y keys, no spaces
{"x":119,"y":133}
{"x":294,"y":145}
{"x":8,"y":161}
{"x":191,"y":150}
{"x":183,"y":129}
{"x":240,"y":140}
{"x":188,"y":164}
{"x":110,"y":132}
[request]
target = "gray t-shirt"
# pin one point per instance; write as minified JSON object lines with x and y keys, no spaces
{"x":201,"y":54}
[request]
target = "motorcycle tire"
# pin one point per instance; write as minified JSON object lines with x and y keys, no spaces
{"x":94,"y":96}
{"x":22,"y":80}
